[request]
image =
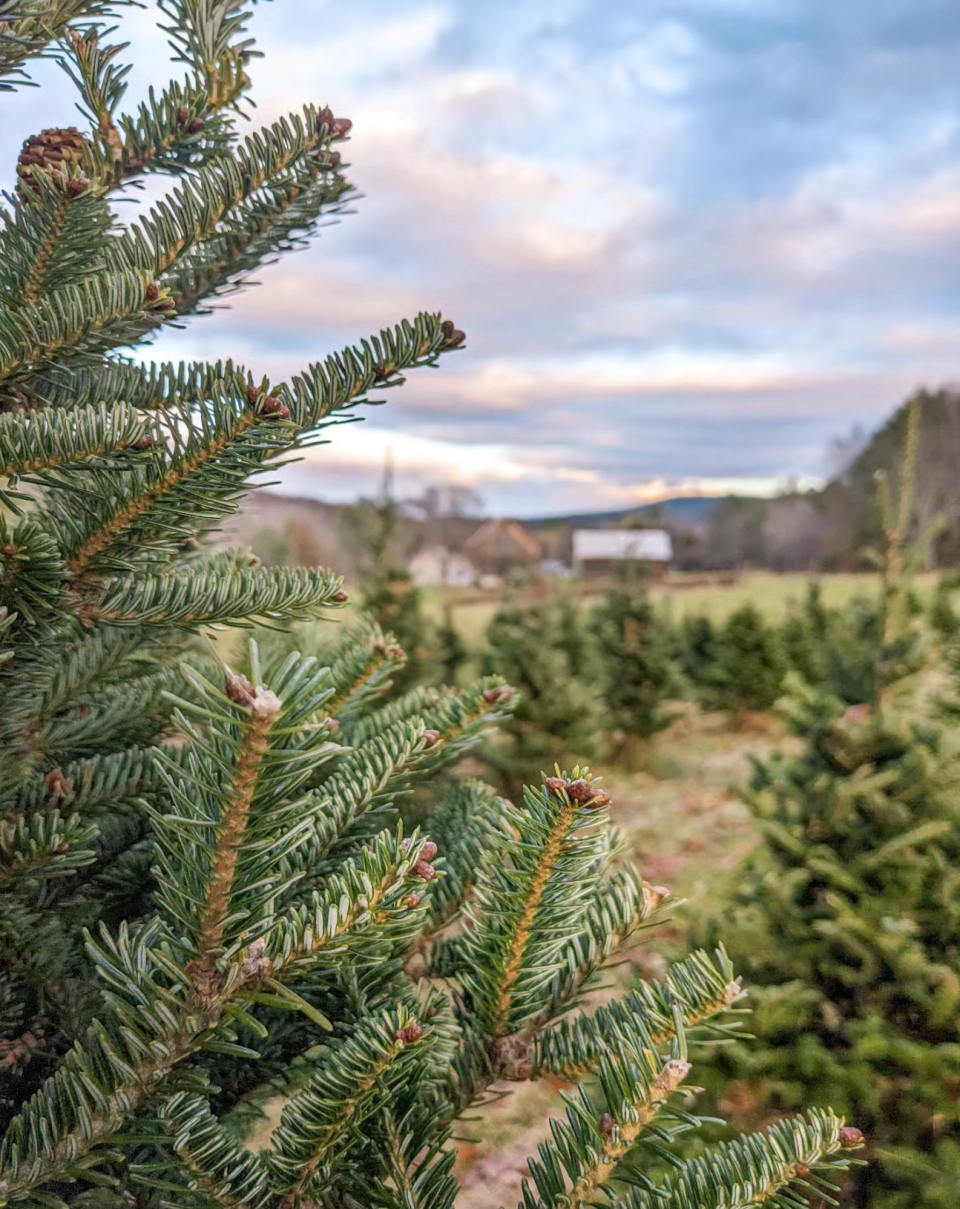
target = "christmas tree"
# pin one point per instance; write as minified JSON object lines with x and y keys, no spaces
{"x":696,"y":649}
{"x":633,"y":650}
{"x":851,"y":922}
{"x":748,"y":669}
{"x":543,"y":648}
{"x":208,"y":893}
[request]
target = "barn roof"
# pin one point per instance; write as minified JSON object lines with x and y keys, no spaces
{"x":495,"y":533}
{"x":648,"y":545}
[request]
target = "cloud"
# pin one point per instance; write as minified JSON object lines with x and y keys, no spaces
{"x":690,"y":240}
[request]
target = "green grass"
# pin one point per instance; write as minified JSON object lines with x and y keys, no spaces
{"x":679,"y":596}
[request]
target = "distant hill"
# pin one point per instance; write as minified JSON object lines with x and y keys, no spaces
{"x":689,"y":510}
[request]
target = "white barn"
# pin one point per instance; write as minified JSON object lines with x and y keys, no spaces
{"x":599,"y":551}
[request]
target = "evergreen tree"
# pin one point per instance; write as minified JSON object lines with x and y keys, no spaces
{"x":943,"y":616}
{"x":803,"y":637}
{"x":697,"y":649}
{"x":207,"y":890}
{"x":450,"y":653}
{"x":389,"y":593}
{"x":633,"y":661}
{"x":748,"y":670}
{"x":851,"y":925}
{"x":559,"y":707}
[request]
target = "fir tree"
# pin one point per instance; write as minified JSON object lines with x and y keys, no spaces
{"x":943,"y":616}
{"x":559,"y":706}
{"x":450,"y":653}
{"x":697,"y":649}
{"x":633,"y":652}
{"x":748,"y":670}
{"x":851,"y":925}
{"x":208,"y":894}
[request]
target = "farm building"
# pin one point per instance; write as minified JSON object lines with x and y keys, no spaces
{"x":437,"y":566}
{"x":598,"y":552}
{"x":501,"y":546}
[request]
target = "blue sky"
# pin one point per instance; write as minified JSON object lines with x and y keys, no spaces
{"x":690,"y":242}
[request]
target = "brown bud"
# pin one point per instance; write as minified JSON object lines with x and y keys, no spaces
{"x":493,"y":695}
{"x":801,"y":1171}
{"x":379,"y":372}
{"x":428,"y":851}
{"x":144,"y":442}
{"x":425,"y":870}
{"x":412,"y":901}
{"x":167,"y":305}
{"x":240,"y":690}
{"x":395,"y":651}
{"x":253,"y":395}
{"x":183,"y":114}
{"x":431,"y":738}
{"x":63,"y":849}
{"x":580,"y":791}
{"x":57,"y":784}
{"x":555,"y":784}
{"x":600,"y":798}
{"x":381,"y":648}
{"x":850,"y":1136}
{"x":333,"y":161}
{"x":405,"y":844}
{"x":9,"y":549}
{"x":324,"y":118}
{"x":195,"y":125}
{"x":272,"y":406}
{"x":606,"y":1124}
{"x":409,"y":1035}
{"x":452,"y":336}
{"x":333,"y":725}
{"x":341,"y":597}
{"x":76,"y":186}
{"x":152,"y":292}
{"x":340,"y":128}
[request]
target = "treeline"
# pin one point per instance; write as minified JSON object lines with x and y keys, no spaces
{"x":827,"y":530}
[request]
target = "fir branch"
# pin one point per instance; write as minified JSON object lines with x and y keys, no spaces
{"x":792,"y":1163}
{"x":43,"y":846}
{"x":355,"y":1078}
{"x":83,"y":319}
{"x":52,"y":237}
{"x":527,"y":905}
{"x":264,"y":709}
{"x":222,"y":1171}
{"x":180,"y":599}
{"x":34,"y":446}
{"x":279,"y":219}
{"x":689,"y":999}
{"x":576,"y":1166}
{"x":35,"y":26}
{"x":193,"y":211}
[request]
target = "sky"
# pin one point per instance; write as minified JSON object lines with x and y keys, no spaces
{"x":690,"y":242}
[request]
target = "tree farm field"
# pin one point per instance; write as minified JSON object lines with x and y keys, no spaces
{"x":680,"y":595}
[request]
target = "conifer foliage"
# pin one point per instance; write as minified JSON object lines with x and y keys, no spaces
{"x":633,"y":649}
{"x":851,"y":925}
{"x":214,"y":888}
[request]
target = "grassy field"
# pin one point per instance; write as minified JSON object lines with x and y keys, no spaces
{"x":678,"y":596}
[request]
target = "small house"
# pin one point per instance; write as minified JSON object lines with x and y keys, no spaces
{"x":598,"y":552}
{"x":437,"y":566}
{"x":501,"y":546}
